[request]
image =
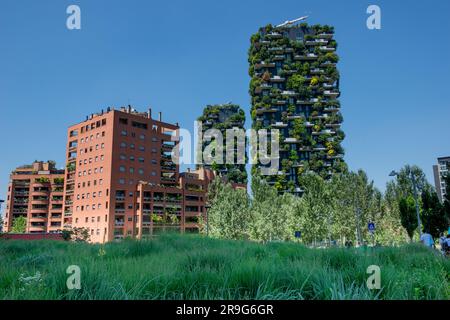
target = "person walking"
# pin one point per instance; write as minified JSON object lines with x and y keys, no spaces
{"x":427,"y":240}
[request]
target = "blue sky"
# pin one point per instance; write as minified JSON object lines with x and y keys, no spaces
{"x":178,"y":56}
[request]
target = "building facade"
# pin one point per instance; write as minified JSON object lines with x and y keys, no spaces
{"x":122,"y":177}
{"x":225,"y":117}
{"x":35,"y":192}
{"x":295,"y":88}
{"x":440,"y":171}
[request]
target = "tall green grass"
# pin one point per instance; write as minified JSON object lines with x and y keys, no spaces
{"x":195,"y":267}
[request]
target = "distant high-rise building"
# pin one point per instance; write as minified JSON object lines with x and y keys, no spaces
{"x":122,"y":180}
{"x":440,"y":171}
{"x":295,"y":88}
{"x":35,"y":192}
{"x":224,"y":117}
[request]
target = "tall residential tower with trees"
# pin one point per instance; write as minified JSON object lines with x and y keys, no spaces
{"x":294,"y":87}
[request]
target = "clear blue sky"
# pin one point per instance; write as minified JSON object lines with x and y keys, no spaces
{"x":178,"y":56}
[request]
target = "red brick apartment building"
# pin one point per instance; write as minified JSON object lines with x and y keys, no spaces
{"x":120,"y":180}
{"x":35,"y":192}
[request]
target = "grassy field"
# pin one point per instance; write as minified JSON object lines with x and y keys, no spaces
{"x":194,"y":267}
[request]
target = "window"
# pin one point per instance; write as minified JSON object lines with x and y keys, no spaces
{"x":121,"y":181}
{"x":131,"y":170}
{"x":123,"y":121}
{"x":141,"y":159}
{"x":141,"y":148}
{"x":153,"y":173}
{"x":141,"y":171}
{"x":123,"y":145}
{"x":142,"y":136}
{"x":122,"y":168}
{"x":139,"y":125}
{"x":124,"y":133}
{"x":132,"y":146}
{"x":123,"y":157}
{"x":131,"y":158}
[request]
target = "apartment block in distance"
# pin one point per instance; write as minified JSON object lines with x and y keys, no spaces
{"x":295,"y":88}
{"x":121,"y":180}
{"x":440,"y":171}
{"x":36,"y":192}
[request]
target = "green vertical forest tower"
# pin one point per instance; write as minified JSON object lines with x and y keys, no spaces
{"x":223,"y":117}
{"x":294,"y":87}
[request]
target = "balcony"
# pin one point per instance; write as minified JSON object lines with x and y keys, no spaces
{"x":310,"y":101}
{"x":331,"y":109}
{"x":119,"y":223}
{"x":274,"y":35}
{"x":321,"y":41}
{"x":19,"y":211}
{"x":119,"y":210}
{"x":278,"y":57}
{"x":294,"y":116}
{"x":309,"y":56}
{"x":328,"y":64}
{"x":291,"y":140}
{"x":168,"y":168}
{"x":279,"y":125}
{"x":325,"y":35}
{"x":120,"y":197}
{"x":311,"y":43}
{"x":327,"y":49}
{"x":21,"y":193}
{"x":317,"y":71}
{"x":330,"y":93}
{"x":277,"y":79}
{"x":264,"y":65}
{"x":276,"y":49}
{"x":288,"y":93}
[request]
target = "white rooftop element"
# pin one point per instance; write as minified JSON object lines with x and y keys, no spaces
{"x":289,"y":22}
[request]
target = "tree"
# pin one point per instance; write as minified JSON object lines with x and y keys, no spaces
{"x":269,"y":213}
{"x":228,"y":212}
{"x":432,"y":214}
{"x":76,"y":234}
{"x":19,"y":225}
{"x":408,"y":218}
